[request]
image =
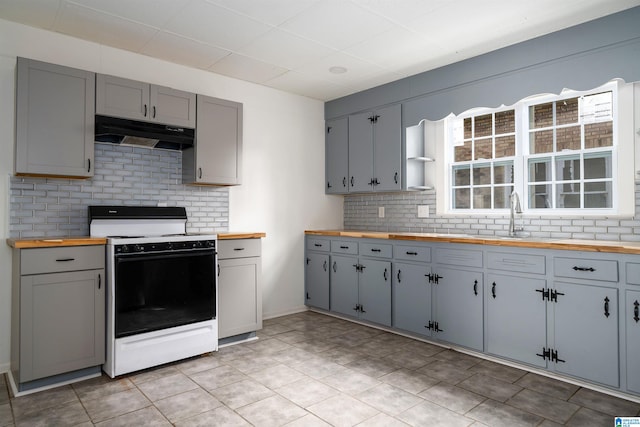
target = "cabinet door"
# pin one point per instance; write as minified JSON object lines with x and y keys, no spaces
{"x":374,"y":291}
{"x":516,"y":318}
{"x":55,"y":120}
{"x":217,"y":156}
{"x":632,"y":315}
{"x":118,"y":97}
{"x":337,"y":156}
{"x":360,"y":153}
{"x":387,"y":149}
{"x":458,"y":302}
{"x":173,"y":107}
{"x":344,"y":285}
{"x":316,"y":280}
{"x":411,"y":298}
{"x":586,"y":332}
{"x":62,"y":323}
{"x":239,"y":298}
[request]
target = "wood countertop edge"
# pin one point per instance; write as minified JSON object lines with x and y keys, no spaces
{"x":55,"y":242}
{"x":564,"y":244}
{"x":241,"y":235}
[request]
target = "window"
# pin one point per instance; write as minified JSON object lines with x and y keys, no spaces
{"x":557,"y":150}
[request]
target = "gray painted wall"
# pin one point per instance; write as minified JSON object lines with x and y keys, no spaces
{"x":124,"y":175}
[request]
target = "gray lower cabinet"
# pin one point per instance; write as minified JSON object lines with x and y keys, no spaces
{"x":239,"y":290}
{"x":344,"y":285}
{"x":337,"y":156}
{"x":131,"y":99}
{"x":58,"y":313}
{"x":216,"y":157}
{"x":632,"y":322}
{"x":411,"y":298}
{"x":316,"y":280}
{"x":51,"y":140}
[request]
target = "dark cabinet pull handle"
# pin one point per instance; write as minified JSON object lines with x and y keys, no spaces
{"x":357,"y":307}
{"x":493,"y":290}
{"x":412,"y":253}
{"x":344,"y":247}
{"x":238,"y":249}
{"x":317,"y":245}
{"x":324,"y":265}
{"x":399,"y":276}
{"x":334,"y":266}
{"x":636,"y":311}
{"x":145,"y":110}
{"x":65,"y":259}
{"x":199,"y":173}
{"x":88,"y":165}
{"x":219,"y":267}
{"x":385,"y":274}
{"x":352,"y":181}
{"x":328,"y":184}
{"x":344,"y":181}
{"x":371,"y":182}
{"x":395,"y":177}
{"x":154,"y":112}
{"x":99,"y":281}
{"x":375,"y":250}
{"x":606,"y":307}
{"x":307,"y":295}
{"x":375,"y":181}
{"x":576,"y":268}
{"x":475,"y":287}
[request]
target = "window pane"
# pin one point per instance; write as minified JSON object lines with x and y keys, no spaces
{"x":598,"y":135}
{"x":541,"y":116}
{"x":597,"y":194}
{"x":568,"y":168}
{"x":461,"y":175}
{"x":505,"y":122}
{"x":483,"y":125}
{"x":482,"y":198}
{"x":541,"y":141}
{"x":483,"y":149}
{"x":568,"y":138}
{"x":567,"y":111}
{"x":467,"y":128}
{"x":505,"y":146}
{"x":501,"y":200}
{"x":461,"y":198}
{"x":482,"y":174}
{"x":540,"y":196}
{"x":568,"y":195}
{"x":597,"y":165}
{"x":540,"y":170}
{"x":503,"y":173}
{"x":463,"y":152}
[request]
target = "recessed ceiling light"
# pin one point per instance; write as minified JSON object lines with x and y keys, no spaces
{"x":337,"y":70}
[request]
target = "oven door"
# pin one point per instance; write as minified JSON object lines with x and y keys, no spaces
{"x":163,"y":289}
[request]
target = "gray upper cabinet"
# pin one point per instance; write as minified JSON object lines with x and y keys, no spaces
{"x":375,"y":150}
{"x":130,"y":99}
{"x":55,"y":108}
{"x":337,"y":156}
{"x":217,"y":156}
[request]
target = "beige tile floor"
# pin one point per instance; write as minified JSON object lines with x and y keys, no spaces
{"x":309,"y":369}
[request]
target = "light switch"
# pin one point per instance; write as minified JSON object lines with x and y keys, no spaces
{"x":423,"y":211}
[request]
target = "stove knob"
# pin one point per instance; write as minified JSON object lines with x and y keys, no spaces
{"x":211,"y":243}
{"x":169,"y":245}
{"x":138,"y":248}
{"x":124,"y":249}
{"x":198,"y":244}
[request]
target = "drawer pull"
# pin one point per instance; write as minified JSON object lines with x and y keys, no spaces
{"x":324,"y":265}
{"x":576,"y":268}
{"x":399,"y":281}
{"x":344,"y":247}
{"x":412,"y":253}
{"x":606,"y":307}
{"x":65,"y":259}
{"x":334,"y":267}
{"x":375,"y":250}
{"x":475,"y":287}
{"x":238,"y":249}
{"x":317,"y":245}
{"x":99,"y":281}
{"x":636,"y":311}
{"x":493,"y":290}
{"x":385,"y":275}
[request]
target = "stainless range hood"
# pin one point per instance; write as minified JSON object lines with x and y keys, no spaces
{"x":153,"y":135}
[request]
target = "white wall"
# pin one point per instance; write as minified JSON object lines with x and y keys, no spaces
{"x":283,"y":178}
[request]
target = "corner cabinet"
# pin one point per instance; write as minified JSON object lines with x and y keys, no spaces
{"x":131,"y":99}
{"x":58,"y":314}
{"x":239,"y":287}
{"x":216,"y":157}
{"x":55,"y":109}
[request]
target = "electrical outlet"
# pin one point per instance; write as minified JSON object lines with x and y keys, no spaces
{"x":381,"y":212}
{"x":423,"y":211}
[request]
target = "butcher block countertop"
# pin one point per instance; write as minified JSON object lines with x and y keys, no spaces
{"x":55,"y":242}
{"x":240,"y":235}
{"x":528,"y":242}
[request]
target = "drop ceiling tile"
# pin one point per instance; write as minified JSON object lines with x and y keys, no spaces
{"x":402,"y":11}
{"x":273,"y":12}
{"x":306,"y":86}
{"x":85,"y":23}
{"x":215,"y":25}
{"x":337,"y":23}
{"x":150,"y":12}
{"x":357,"y":69}
{"x":184,"y":51}
{"x":245,"y":68}
{"x":285,"y":49}
{"x":37,"y":13}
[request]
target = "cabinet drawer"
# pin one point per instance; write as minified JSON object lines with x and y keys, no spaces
{"x":320,"y":245}
{"x":592,"y":269}
{"x":381,"y":250}
{"x":343,"y":247}
{"x":54,"y":260}
{"x":522,"y":263}
{"x":465,"y":257}
{"x":633,"y":273}
{"x":239,"y":248}
{"x":413,"y":253}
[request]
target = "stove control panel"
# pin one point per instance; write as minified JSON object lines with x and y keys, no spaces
{"x":164,"y":246}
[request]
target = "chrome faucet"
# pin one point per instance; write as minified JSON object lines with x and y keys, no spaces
{"x":515,"y":208}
